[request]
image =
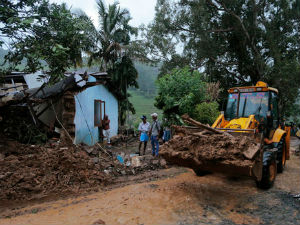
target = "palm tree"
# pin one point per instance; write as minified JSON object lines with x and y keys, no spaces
{"x":113,"y":35}
{"x":113,"y":39}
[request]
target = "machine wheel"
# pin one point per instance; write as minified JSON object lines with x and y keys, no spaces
{"x":201,"y":173}
{"x":268,"y":176}
{"x":281,"y":157}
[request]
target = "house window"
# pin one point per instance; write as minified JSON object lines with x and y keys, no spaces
{"x":99,"y":112}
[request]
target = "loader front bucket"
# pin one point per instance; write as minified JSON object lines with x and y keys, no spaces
{"x":232,"y":153}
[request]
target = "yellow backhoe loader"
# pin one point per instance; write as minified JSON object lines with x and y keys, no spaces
{"x":253,"y":111}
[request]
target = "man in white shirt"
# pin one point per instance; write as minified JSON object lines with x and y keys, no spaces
{"x":144,"y":128}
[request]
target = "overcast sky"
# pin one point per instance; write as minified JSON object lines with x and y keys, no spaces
{"x":142,"y":11}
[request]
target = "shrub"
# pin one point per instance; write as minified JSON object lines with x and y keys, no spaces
{"x":206,"y":112}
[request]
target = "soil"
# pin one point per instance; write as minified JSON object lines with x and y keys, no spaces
{"x":172,"y":196}
{"x":192,"y":151}
{"x":29,"y":171}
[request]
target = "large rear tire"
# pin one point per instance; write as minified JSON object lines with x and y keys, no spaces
{"x":281,"y":155}
{"x":268,"y":176}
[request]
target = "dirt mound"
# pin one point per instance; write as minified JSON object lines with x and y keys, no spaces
{"x":195,"y":151}
{"x":28,"y":172}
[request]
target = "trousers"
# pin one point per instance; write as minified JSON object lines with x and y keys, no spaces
{"x":155,"y":145}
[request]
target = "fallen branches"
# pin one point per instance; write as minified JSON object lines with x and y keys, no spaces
{"x":189,"y":120}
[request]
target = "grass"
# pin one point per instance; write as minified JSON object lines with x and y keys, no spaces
{"x":143,"y":106}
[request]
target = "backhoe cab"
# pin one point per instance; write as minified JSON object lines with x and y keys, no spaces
{"x":253,"y":110}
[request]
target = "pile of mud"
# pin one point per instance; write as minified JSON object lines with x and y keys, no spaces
{"x":196,"y":151}
{"x":29,"y":172}
{"x":36,"y":171}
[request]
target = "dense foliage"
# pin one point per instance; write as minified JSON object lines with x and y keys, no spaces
{"x":51,"y":35}
{"x":184,"y":91}
{"x":234,"y":42}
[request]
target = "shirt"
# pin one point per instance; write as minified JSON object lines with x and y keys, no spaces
{"x":144,"y":127}
{"x":155,"y":128}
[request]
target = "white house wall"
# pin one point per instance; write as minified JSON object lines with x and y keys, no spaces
{"x":85,"y":131}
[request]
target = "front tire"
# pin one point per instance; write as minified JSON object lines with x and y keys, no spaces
{"x":268,"y":176}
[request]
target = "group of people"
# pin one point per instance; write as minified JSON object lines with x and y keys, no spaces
{"x":154,"y":131}
{"x":146,"y":130}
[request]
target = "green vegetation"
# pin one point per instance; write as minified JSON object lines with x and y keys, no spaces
{"x":185,"y":91}
{"x":207,"y":112}
{"x":49,"y":33}
{"x":234,"y":42}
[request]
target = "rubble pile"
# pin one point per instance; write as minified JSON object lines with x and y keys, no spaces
{"x":35,"y":171}
{"x":192,"y":150}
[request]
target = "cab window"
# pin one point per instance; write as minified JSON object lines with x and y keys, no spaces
{"x":274,"y":105}
{"x":253,"y":103}
{"x":231,"y":109}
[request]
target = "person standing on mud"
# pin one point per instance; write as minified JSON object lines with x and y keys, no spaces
{"x":154,"y":133}
{"x":144,"y":128}
{"x":106,"y":128}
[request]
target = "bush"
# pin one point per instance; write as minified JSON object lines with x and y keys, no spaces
{"x":207,"y":112}
{"x":179,"y":92}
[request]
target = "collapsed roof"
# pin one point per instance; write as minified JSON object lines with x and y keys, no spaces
{"x":15,"y":92}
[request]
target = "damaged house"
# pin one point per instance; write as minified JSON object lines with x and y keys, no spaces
{"x":73,"y":107}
